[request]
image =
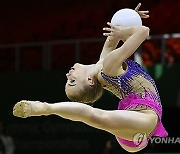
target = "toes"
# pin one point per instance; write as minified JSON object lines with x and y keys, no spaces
{"x":18,"y":109}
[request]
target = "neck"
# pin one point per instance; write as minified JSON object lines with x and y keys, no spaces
{"x":94,"y":71}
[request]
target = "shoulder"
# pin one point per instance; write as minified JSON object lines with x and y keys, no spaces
{"x":106,"y":77}
{"x":115,"y":70}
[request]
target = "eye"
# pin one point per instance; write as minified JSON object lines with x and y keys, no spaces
{"x":72,"y":80}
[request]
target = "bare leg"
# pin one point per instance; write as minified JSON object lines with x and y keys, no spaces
{"x":117,"y":122}
{"x":121,"y":123}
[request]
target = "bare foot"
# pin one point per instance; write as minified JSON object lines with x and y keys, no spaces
{"x":24,"y":109}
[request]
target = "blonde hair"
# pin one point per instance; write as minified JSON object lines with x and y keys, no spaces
{"x":89,"y":94}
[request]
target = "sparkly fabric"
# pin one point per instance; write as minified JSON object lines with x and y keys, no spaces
{"x":135,"y":80}
{"x":136,"y":89}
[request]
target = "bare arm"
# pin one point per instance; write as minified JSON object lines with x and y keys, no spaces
{"x":109,"y":45}
{"x":112,"y":41}
{"x":136,"y":35}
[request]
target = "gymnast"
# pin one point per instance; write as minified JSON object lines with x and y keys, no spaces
{"x":139,"y":110}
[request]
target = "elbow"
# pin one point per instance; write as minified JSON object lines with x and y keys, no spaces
{"x":146,"y":31}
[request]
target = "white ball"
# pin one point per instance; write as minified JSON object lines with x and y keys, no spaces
{"x":126,"y":17}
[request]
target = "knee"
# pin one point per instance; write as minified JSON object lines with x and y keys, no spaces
{"x":152,"y":121}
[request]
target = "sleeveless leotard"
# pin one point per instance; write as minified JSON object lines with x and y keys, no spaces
{"x":136,"y":90}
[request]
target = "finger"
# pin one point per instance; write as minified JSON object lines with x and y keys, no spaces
{"x":108,"y":29}
{"x":137,"y":7}
{"x":110,"y":24}
{"x":107,"y":34}
{"x":143,"y":12}
{"x":145,"y":16}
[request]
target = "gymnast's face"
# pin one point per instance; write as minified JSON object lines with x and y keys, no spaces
{"x":76,"y":79}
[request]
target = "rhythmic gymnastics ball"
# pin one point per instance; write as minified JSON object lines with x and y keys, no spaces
{"x":126,"y":17}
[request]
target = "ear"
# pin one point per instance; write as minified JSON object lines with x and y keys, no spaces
{"x":90,"y":81}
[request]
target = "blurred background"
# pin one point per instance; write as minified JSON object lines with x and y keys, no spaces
{"x":40,"y":40}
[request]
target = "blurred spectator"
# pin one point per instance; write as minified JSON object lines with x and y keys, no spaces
{"x":150,"y":53}
{"x":6,"y":142}
{"x":147,"y":58}
{"x":170,"y":56}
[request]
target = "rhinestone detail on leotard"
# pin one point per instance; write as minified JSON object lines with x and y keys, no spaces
{"x":122,"y":86}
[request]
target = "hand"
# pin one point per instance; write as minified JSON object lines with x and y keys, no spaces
{"x":143,"y":14}
{"x":113,"y":32}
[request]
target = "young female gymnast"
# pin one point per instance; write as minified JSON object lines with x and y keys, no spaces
{"x":139,"y":112}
